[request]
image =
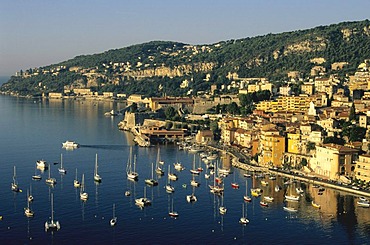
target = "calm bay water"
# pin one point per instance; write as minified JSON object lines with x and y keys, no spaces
{"x":33,"y":130}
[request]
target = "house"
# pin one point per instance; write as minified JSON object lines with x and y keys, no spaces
{"x":362,"y":171}
{"x":332,"y":161}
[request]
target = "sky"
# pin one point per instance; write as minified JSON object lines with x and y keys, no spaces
{"x":42,"y":32}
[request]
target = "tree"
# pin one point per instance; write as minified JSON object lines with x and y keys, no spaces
{"x":133,"y":108}
{"x":352,"y":113}
{"x":233,"y":108}
{"x":170,"y":113}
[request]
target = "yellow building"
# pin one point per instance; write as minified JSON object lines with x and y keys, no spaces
{"x":362,"y":171}
{"x":287,"y":104}
{"x":332,"y":160}
{"x":271,"y":148}
{"x":294,"y":143}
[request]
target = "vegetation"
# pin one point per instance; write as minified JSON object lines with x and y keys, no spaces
{"x":270,"y":56}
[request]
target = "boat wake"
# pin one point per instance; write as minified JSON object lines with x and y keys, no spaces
{"x":106,"y":147}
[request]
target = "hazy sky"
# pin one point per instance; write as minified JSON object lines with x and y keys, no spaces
{"x":36,"y":33}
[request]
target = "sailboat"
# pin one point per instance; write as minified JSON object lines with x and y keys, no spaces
{"x":234,"y":184}
{"x":243,"y":220}
{"x":76,"y":183}
{"x":36,"y":176}
{"x":151,"y":181}
{"x":158,"y":168}
{"x":97,"y":177}
{"x":61,"y":169}
{"x":29,"y":195}
{"x":28,"y":211}
{"x":131,"y":174}
{"x":51,"y":224}
{"x":171,"y":176}
{"x":291,"y":197}
{"x":83,"y":195}
{"x":143,"y":201}
{"x":246,"y":197}
{"x":113,"y":221}
{"x":173,"y":213}
{"x":194,"y":171}
{"x":169,"y":187}
{"x":192,"y":197}
{"x":50,"y":180}
{"x":222,"y":208}
{"x":14,"y":186}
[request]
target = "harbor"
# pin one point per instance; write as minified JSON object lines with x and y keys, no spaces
{"x":100,"y":141}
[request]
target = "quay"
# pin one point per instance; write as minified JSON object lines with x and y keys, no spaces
{"x":244,"y":165}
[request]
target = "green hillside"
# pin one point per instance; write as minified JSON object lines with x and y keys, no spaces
{"x":159,"y":67}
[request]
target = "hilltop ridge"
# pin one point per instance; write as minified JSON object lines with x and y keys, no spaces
{"x":175,"y":68}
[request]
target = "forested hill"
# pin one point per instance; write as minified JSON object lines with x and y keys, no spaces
{"x":160,"y":67}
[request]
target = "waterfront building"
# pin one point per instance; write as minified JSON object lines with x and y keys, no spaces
{"x":362,"y":171}
{"x":272,"y":148}
{"x":332,"y":161}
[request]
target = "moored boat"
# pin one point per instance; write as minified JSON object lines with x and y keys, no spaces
{"x":290,"y":209}
{"x":315,"y":205}
{"x":42,"y":164}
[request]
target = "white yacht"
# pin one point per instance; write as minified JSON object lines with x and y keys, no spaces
{"x":42,"y":164}
{"x":70,"y":145}
{"x":15,"y":186}
{"x":113,"y":221}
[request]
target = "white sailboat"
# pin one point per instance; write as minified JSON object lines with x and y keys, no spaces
{"x":83,"y":194}
{"x":222,"y":208}
{"x":142,"y":201}
{"x":61,"y":169}
{"x":76,"y":183}
{"x":173,"y":213}
{"x":28,"y":211}
{"x":36,"y":176}
{"x":192,"y":197}
{"x":97,"y":177}
{"x":169,"y":187}
{"x":151,"y":181}
{"x":50,"y":180}
{"x":243,"y":220}
{"x":171,"y":176}
{"x":14,"y":186}
{"x":51,"y":224}
{"x":131,"y":174}
{"x":194,"y":171}
{"x":246,"y":197}
{"x":113,"y":221}
{"x":158,"y":162}
{"x":29,"y":195}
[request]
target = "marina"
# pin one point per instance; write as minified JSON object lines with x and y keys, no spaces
{"x":149,"y":214}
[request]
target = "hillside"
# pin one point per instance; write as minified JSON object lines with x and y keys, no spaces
{"x":160,"y":66}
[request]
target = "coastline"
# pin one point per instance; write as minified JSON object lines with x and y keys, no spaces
{"x":236,"y":163}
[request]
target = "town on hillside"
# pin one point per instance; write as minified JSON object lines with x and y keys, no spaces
{"x":318,"y":126}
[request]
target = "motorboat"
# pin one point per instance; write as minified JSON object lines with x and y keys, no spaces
{"x":70,"y":144}
{"x":268,"y":198}
{"x":290,"y":209}
{"x":315,"y":205}
{"x":191,"y":198}
{"x":178,"y":166}
{"x":42,"y":164}
{"x":291,"y":198}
